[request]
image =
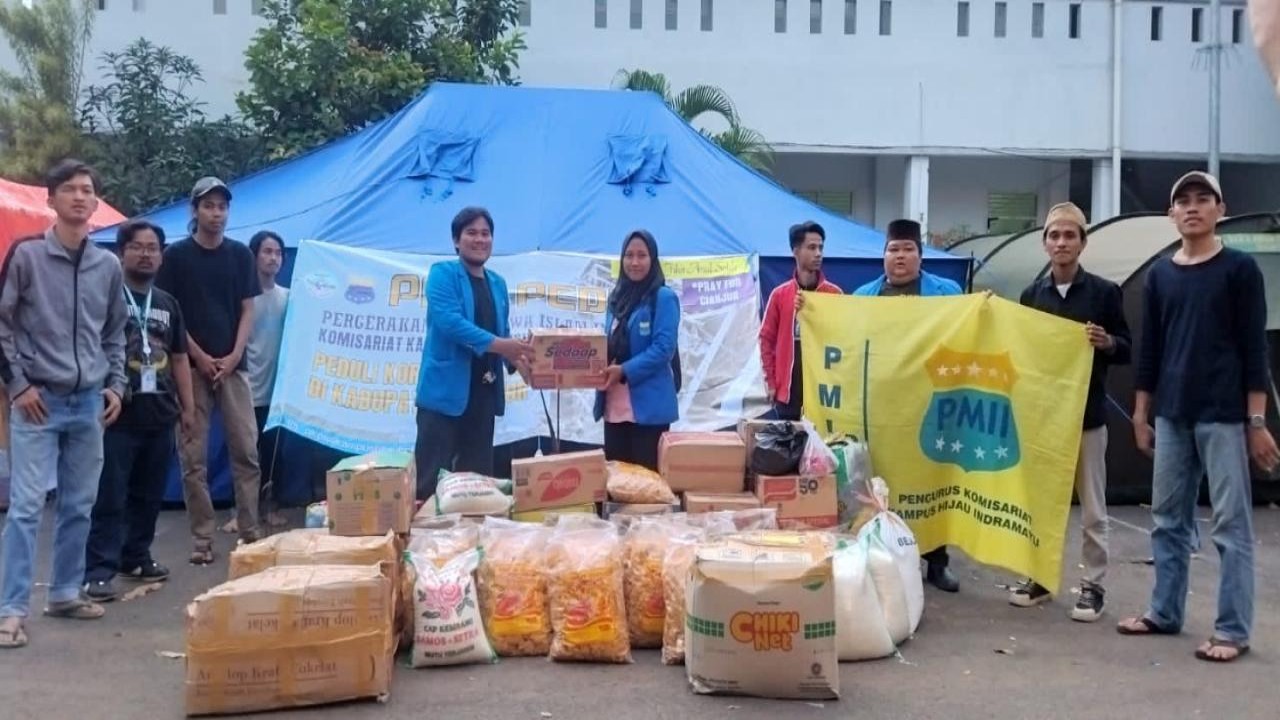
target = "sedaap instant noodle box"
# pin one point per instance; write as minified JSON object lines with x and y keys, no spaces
{"x":557,"y":481}
{"x":567,"y":358}
{"x":290,"y":636}
{"x":761,"y":617}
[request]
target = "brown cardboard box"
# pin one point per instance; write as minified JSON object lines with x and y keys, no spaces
{"x":761,"y":617}
{"x":568,"y":358}
{"x":714,"y":462}
{"x":371,"y":494}
{"x":613,"y":508}
{"x":287,"y":637}
{"x":314,"y":547}
{"x":554,"y":481}
{"x":747,"y":430}
{"x":545,"y":514}
{"x":802,"y":502}
{"x":715,"y":502}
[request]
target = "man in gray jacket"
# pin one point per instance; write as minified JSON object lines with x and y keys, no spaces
{"x":62,"y":319}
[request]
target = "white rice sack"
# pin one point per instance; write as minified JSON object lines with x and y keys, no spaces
{"x":901,"y":543}
{"x":861,"y":633}
{"x":895,"y":567}
{"x":468,"y":493}
{"x":447,"y":628}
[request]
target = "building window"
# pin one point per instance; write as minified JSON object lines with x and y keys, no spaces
{"x":1037,"y":20}
{"x":637,"y":14}
{"x":1073,"y":21}
{"x":102,"y":4}
{"x":779,"y":16}
{"x":707,"y":12}
{"x":1002,"y":19}
{"x":886,"y":17}
{"x":962,"y":19}
{"x":850,"y":17}
{"x":1157,"y":24}
{"x":602,"y":13}
{"x":526,"y":12}
{"x":1010,"y":212}
{"x":219,"y":7}
{"x":815,"y":16}
{"x":1197,"y":25}
{"x":673,"y":14}
{"x":1237,"y":26}
{"x":139,"y":5}
{"x":256,"y":7}
{"x":840,"y":203}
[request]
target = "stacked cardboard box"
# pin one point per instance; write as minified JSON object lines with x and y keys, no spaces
{"x":803,"y":503}
{"x":707,"y":469}
{"x":372,"y":494}
{"x":567,"y":482}
{"x":290,"y":636}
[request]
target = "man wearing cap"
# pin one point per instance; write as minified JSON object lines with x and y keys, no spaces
{"x":1070,"y":292}
{"x":215,"y":281}
{"x":903,"y":253}
{"x":780,"y":330}
{"x":1203,"y":379}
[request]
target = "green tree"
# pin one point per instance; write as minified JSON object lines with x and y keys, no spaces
{"x":694,"y":102}
{"x":149,"y":138}
{"x":38,"y":104}
{"x":320,"y":69}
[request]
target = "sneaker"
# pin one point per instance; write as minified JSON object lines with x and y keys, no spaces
{"x":941,"y":577}
{"x":150,"y":571}
{"x":1090,"y":604}
{"x":101,"y":591}
{"x":1029,"y":593}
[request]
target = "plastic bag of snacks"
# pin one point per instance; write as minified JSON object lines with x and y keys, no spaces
{"x":451,"y":536}
{"x":675,"y":574}
{"x":317,"y":516}
{"x":817,"y":460}
{"x":472,"y":494}
{"x":448,"y":629}
{"x":513,"y":587}
{"x":645,"y":551}
{"x":853,"y":479}
{"x":723,"y":522}
{"x":588,"y":607}
{"x":637,"y":484}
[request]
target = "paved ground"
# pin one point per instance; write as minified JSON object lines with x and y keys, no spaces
{"x":1055,"y":668}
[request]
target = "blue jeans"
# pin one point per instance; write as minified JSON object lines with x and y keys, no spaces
{"x":70,"y":444}
{"x":1184,"y":453}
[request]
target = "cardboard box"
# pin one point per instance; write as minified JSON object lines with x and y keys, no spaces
{"x":288,"y":637}
{"x":613,"y":508}
{"x":803,"y":503}
{"x":426,"y":515}
{"x":714,"y":502}
{"x":714,"y":462}
{"x":761,"y":617}
{"x":371,"y":494}
{"x":556,"y":481}
{"x":568,"y":358}
{"x":747,"y":430}
{"x":314,"y":547}
{"x":550,"y":514}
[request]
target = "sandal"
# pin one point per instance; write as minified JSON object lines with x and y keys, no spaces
{"x":1129,"y":626}
{"x":13,"y":638}
{"x":1205,"y":654}
{"x":202,"y":555}
{"x":80,"y":608}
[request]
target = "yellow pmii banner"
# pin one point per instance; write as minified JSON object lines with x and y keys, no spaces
{"x":972,"y":407}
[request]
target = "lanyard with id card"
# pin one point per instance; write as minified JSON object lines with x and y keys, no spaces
{"x":146,"y":373}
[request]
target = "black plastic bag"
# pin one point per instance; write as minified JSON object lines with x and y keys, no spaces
{"x":778,"y":449}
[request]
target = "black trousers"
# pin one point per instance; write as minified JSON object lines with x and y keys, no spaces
{"x":632,"y":443}
{"x":937,"y":556}
{"x":455,"y":444}
{"x":135,"y":467}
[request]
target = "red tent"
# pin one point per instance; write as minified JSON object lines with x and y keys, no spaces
{"x":24,"y":210}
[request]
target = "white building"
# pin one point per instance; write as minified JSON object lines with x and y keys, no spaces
{"x":964,"y":114}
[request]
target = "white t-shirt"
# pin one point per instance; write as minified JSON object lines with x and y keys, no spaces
{"x":263,"y":349}
{"x":1063,"y":288}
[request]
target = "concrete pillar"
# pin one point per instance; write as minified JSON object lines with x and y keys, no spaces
{"x":1103,"y":193}
{"x":915,"y":194}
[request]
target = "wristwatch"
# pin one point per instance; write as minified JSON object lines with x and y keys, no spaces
{"x":1258,"y":422}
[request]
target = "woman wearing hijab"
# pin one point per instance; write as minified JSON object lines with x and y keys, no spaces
{"x":638,"y":402}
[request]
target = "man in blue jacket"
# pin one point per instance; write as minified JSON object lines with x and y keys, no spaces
{"x":460,"y":379}
{"x":903,"y":249}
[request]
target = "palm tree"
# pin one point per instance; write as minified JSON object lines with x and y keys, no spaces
{"x":746,"y":144}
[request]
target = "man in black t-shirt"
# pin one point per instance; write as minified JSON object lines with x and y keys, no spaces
{"x":138,"y":447}
{"x":214,"y":280}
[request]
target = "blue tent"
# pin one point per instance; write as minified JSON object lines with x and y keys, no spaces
{"x":561,"y":170}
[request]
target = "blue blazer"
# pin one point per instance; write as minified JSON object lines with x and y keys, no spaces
{"x":454,"y":339}
{"x":930,"y":286}
{"x":648,"y":372}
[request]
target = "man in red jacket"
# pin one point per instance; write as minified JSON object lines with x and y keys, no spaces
{"x":780,"y":331}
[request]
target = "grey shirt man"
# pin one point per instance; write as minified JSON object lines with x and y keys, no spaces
{"x":262,"y":353}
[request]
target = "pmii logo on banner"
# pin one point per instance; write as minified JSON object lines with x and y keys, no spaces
{"x":970,"y":421}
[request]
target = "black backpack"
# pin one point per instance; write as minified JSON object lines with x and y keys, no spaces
{"x":675,"y":359}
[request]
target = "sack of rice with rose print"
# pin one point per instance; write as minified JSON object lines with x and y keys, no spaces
{"x":447,"y":628}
